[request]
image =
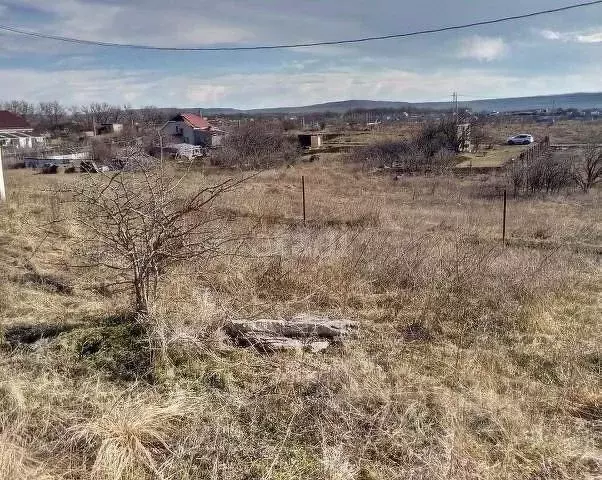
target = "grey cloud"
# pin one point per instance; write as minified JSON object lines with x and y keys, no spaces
{"x":294,"y":76}
{"x":277,"y":89}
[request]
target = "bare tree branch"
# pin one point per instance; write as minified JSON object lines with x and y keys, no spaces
{"x":138,"y":224}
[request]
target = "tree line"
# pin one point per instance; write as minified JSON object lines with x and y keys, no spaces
{"x":54,"y":115}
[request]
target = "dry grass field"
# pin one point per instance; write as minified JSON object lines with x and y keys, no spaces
{"x":473,"y":360}
{"x":562,"y":132}
{"x":491,"y":158}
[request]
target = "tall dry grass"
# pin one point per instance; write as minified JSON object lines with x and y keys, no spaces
{"x":474,"y":360}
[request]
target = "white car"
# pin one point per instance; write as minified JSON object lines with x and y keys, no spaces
{"x":522,"y":139}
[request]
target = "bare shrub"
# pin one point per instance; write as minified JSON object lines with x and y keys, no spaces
{"x":480,"y":135}
{"x":384,"y":154}
{"x":587,"y":171}
{"x":101,"y":151}
{"x":431,"y":151}
{"x":548,"y":173}
{"x":256,"y":145}
{"x":138,"y":223}
{"x":435,"y":137}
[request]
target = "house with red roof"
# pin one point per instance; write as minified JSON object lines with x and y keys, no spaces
{"x":193,"y":130}
{"x":16,"y":132}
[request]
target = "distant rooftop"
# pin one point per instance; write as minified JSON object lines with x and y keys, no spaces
{"x":9,"y":120}
{"x":195,"y":121}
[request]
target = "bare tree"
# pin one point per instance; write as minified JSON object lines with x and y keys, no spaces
{"x":548,"y":173}
{"x":99,"y":113}
{"x":101,"y":150}
{"x":152,"y":116}
{"x":437,"y":136}
{"x":140,"y":222}
{"x":256,"y":145}
{"x":587,"y":171}
{"x":51,"y":113}
{"x":480,"y":135}
{"x":85,"y":116}
{"x":19,"y":107}
{"x":431,"y":151}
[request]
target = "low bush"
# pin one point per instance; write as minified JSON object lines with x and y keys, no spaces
{"x":253,"y":146}
{"x":549,"y":174}
{"x":431,"y":151}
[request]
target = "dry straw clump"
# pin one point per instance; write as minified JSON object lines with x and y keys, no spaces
{"x":131,"y":437}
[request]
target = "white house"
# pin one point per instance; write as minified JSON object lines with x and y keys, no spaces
{"x":193,"y":130}
{"x":16,"y":132}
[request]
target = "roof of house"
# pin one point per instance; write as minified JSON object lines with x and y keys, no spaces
{"x":10,"y":120}
{"x":195,"y":121}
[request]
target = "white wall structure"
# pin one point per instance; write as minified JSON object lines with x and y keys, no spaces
{"x":16,"y":132}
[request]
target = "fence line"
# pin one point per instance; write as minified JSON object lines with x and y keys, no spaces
{"x":535,"y":151}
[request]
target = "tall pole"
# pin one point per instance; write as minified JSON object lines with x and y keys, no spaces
{"x":504,"y":221}
{"x":457,"y":108}
{"x":455,"y":105}
{"x":161,"y":146}
{"x":303,"y":187}
{"x":456,"y":120}
{"x":2,"y":190}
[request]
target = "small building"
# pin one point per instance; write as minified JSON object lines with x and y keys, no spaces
{"x":310,"y":140}
{"x":193,"y":130}
{"x":108,"y":128}
{"x":16,"y":132}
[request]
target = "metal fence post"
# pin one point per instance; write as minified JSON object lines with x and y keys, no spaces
{"x":303,"y":187}
{"x":2,"y":190}
{"x":504,"y":221}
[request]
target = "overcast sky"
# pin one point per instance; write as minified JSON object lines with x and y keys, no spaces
{"x":551,"y":54}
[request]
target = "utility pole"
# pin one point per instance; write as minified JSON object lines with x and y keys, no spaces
{"x":455,"y":105}
{"x":456,"y":120}
{"x":303,"y":187}
{"x":504,"y":221}
{"x":2,"y":190}
{"x":457,"y":108}
{"x":161,"y":146}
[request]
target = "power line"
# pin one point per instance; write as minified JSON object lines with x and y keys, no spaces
{"x":80,"y":41}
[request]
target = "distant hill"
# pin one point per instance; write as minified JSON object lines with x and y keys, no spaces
{"x":572,"y":100}
{"x":335,"y":107}
{"x":580,"y":101}
{"x":204,"y":111}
